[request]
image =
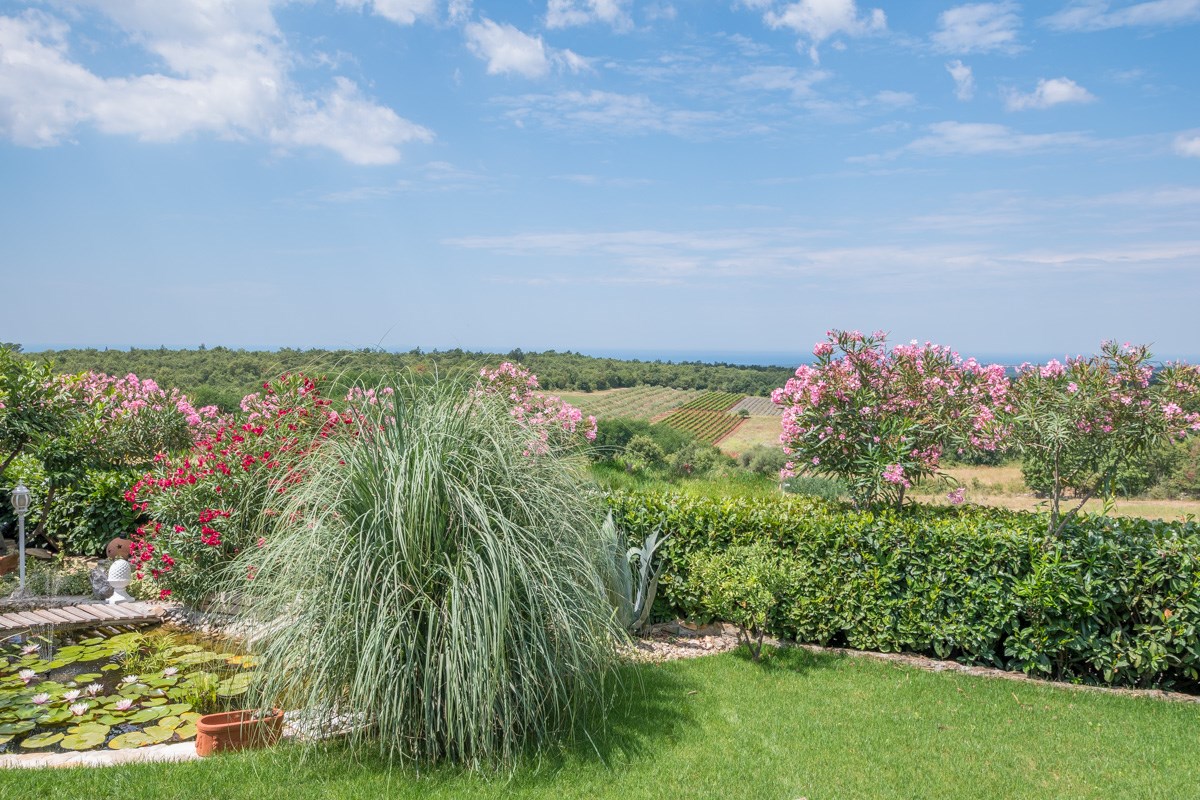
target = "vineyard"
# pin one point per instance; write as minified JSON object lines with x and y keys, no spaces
{"x":706,"y":425}
{"x":758,"y":407}
{"x":639,"y":402}
{"x":713,"y":401}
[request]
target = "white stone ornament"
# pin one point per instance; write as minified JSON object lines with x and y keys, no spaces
{"x":119,"y":575}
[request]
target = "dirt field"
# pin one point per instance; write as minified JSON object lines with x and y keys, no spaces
{"x":752,"y":431}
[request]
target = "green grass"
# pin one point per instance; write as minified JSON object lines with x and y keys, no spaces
{"x":798,"y":725}
{"x":733,"y":483}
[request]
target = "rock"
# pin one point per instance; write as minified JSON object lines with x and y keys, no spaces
{"x":9,"y":563}
{"x":99,"y":579}
{"x":38,"y":552}
{"x":117,"y":548}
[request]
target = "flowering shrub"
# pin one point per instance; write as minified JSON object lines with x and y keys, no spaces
{"x":880,"y":419}
{"x":219,"y":498}
{"x":1077,"y":424}
{"x":545,"y":416}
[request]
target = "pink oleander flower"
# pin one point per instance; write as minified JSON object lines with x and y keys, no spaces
{"x":957,"y":497}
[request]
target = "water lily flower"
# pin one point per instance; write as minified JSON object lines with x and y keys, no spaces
{"x":93,"y":689}
{"x":40,"y":699}
{"x":71,"y":696}
{"x":29,"y":649}
{"x":129,"y":679}
{"x":79,"y":709}
{"x":124,"y":704}
{"x":26,"y":675}
{"x":170,"y":672}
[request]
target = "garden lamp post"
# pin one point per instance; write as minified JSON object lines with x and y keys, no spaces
{"x":20,"y":504}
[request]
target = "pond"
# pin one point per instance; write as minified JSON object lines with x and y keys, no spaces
{"x":88,"y":689}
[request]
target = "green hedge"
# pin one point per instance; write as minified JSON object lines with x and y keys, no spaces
{"x":1114,"y":600}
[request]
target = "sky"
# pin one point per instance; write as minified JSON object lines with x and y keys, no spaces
{"x":600,"y":175}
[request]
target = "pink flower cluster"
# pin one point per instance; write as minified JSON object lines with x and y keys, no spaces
{"x":124,"y":398}
{"x":540,"y":413}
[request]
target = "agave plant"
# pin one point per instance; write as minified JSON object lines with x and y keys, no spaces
{"x":434,"y":586}
{"x":634,"y":602}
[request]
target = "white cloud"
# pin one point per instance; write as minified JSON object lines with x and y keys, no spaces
{"x":1096,"y":15}
{"x":818,"y":20}
{"x":964,"y":80}
{"x":509,"y":50}
{"x":358,"y":130}
{"x":618,"y":113}
{"x":786,"y":79}
{"x":401,"y":12}
{"x":978,"y":138}
{"x":226,"y":74}
{"x":1049,"y":92}
{"x":569,"y":13}
{"x":1188,"y":146}
{"x":978,"y":28}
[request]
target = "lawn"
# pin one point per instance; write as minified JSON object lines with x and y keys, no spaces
{"x":799,"y":725}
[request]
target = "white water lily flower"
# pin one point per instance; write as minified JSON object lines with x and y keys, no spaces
{"x":29,"y":649}
{"x":40,"y":699}
{"x":170,"y":671}
{"x":123,"y":705}
{"x":129,"y":679}
{"x":79,"y":709}
{"x":94,"y":689}
{"x":26,"y":675}
{"x":71,"y":696}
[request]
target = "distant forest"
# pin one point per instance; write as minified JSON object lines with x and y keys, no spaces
{"x":221,"y":376}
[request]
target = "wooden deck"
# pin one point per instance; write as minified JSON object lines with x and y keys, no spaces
{"x":88,"y":615}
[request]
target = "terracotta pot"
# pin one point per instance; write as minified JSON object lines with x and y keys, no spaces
{"x":235,"y":730}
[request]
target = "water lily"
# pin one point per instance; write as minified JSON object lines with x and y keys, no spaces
{"x":170,"y":671}
{"x":26,"y":675}
{"x":29,"y":649}
{"x":40,"y":699}
{"x":79,"y":709}
{"x":124,"y":704}
{"x":93,"y":689}
{"x":129,"y":679}
{"x":71,"y":696}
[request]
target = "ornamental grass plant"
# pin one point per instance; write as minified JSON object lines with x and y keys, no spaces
{"x":435,"y":587}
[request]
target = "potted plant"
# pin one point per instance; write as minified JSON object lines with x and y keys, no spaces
{"x":237,"y":730}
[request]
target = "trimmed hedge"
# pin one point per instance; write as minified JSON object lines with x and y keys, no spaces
{"x":1113,"y":600}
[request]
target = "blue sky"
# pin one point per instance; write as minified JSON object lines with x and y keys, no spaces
{"x":600,"y":174}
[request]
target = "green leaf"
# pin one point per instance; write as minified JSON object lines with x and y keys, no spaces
{"x":40,"y":740}
{"x":84,"y":740}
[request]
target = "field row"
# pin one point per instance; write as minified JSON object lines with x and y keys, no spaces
{"x":714,"y":401}
{"x":758,"y":407}
{"x":707,"y":426}
{"x":638,"y":402}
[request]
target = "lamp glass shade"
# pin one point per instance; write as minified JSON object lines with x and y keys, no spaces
{"x":20,"y":499}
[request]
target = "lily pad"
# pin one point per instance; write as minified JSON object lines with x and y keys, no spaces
{"x":6,"y":738}
{"x":155,"y":701}
{"x":42,"y":740}
{"x":185,"y":732}
{"x":237,"y":685}
{"x":85,"y":740}
{"x":171,"y":723}
{"x":87,"y":677}
{"x":17,"y":727}
{"x":198,"y":657}
{"x":149,"y":715}
{"x":128,"y":741}
{"x":158,"y":734}
{"x":110,"y":667}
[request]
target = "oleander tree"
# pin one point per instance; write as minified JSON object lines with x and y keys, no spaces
{"x":880,"y":419}
{"x":1078,"y":424}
